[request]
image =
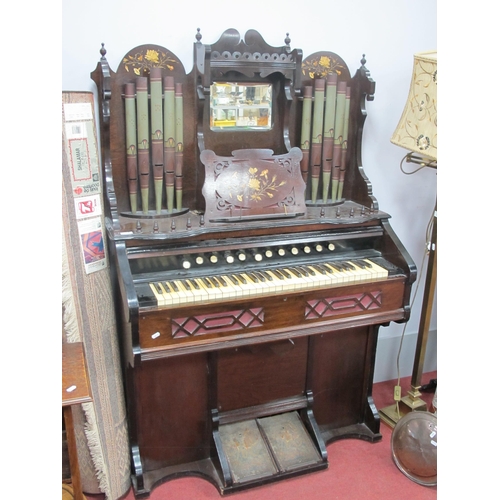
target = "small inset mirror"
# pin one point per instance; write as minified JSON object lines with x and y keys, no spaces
{"x":240,"y":106}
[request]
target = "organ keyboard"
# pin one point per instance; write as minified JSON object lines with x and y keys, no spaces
{"x":246,"y":306}
{"x":249,"y":280}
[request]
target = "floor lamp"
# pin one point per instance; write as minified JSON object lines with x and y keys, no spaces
{"x":417,"y":132}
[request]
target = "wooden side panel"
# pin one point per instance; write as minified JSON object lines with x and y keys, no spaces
{"x":338,"y":369}
{"x":172,"y":408}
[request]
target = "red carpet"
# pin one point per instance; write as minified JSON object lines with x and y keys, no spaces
{"x":357,"y":470}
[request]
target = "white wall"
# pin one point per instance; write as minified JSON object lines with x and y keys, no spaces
{"x":389,"y":32}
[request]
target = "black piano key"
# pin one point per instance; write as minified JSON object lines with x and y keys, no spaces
{"x":233,"y":279}
{"x":194,"y":285}
{"x":327,"y":269}
{"x":214,"y":282}
{"x":336,"y":266}
{"x":187,"y":284}
{"x":241,"y":278}
{"x":207,"y":282}
{"x":286,"y":273}
{"x":318,"y":268}
{"x":360,"y":263}
{"x":221,"y":280}
{"x":268,"y":274}
{"x":252,"y":277}
{"x":262,"y":276}
{"x":304,"y":271}
{"x":278,"y":274}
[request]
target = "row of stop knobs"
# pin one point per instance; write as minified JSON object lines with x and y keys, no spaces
{"x":255,"y":254}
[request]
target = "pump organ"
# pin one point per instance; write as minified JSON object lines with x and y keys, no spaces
{"x":253,"y":267}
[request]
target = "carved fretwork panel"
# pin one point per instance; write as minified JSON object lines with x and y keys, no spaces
{"x":225,"y":321}
{"x":358,"y":302}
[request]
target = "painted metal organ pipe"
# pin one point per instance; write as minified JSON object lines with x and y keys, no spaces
{"x":324,"y":135}
{"x":154,"y":141}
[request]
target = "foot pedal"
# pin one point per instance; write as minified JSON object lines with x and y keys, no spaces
{"x":290,"y":443}
{"x":246,"y":452}
{"x":268,"y":447}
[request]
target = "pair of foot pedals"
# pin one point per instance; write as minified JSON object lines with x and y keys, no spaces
{"x":261,"y":450}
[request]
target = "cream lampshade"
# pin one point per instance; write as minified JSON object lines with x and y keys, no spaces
{"x":417,"y":128}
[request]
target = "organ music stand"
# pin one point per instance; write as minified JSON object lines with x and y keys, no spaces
{"x":417,"y":132}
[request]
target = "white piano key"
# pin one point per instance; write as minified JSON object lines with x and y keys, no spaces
{"x":353,"y":271}
{"x":216,"y":287}
{"x":364,"y":273}
{"x":282,"y":281}
{"x":266,"y":282}
{"x":185,"y":295}
{"x":276,"y":284}
{"x":341,"y":275}
{"x":171,"y":292}
{"x":227,"y":289}
{"x":253,"y":284}
{"x":212,"y":292}
{"x":335,"y":276}
{"x":246,"y":287}
{"x":158,"y":293}
{"x":319,"y":277}
{"x":300,"y":282}
{"x":234,"y":283}
{"x":380,"y":271}
{"x":198,"y":293}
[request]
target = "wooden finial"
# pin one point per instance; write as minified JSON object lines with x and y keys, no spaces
{"x":287,"y":42}
{"x":363,"y":60}
{"x":198,"y":35}
{"x":102,"y":51}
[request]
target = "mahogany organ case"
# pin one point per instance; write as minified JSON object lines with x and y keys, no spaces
{"x":252,"y":265}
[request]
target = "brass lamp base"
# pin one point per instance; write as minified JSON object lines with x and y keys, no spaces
{"x":391,"y":416}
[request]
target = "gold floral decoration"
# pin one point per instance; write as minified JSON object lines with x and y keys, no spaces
{"x":321,"y":66}
{"x":261,"y":185}
{"x":152,"y":56}
{"x":142,"y":62}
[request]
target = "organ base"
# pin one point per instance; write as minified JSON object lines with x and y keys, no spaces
{"x":253,"y":414}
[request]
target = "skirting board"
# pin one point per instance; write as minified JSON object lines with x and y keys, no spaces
{"x":387,"y":354}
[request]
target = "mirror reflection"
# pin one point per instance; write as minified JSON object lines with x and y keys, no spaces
{"x":240,"y":106}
